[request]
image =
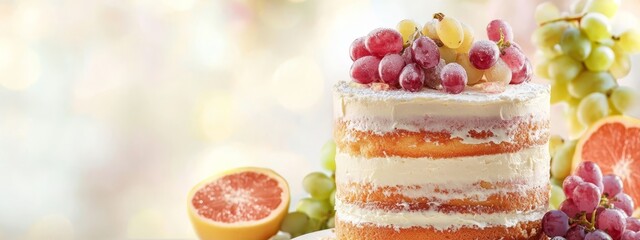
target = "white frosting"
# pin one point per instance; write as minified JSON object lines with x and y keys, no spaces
{"x":529,"y":165}
{"x":432,"y":219}
{"x":364,"y":109}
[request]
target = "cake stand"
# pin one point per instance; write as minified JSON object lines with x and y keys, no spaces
{"x":326,"y":234}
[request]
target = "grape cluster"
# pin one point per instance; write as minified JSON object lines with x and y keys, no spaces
{"x":443,"y":54}
{"x":316,"y":211}
{"x":595,"y":208}
{"x":583,"y":59}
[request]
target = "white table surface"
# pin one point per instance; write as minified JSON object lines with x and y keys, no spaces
{"x":326,"y":234}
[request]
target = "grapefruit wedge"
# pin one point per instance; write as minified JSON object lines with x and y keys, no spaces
{"x":614,"y":144}
{"x":243,"y":203}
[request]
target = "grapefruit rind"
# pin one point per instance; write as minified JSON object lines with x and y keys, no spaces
{"x":264,"y":228}
{"x":627,"y":122}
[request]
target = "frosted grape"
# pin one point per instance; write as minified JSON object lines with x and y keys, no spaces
{"x":390,"y":68}
{"x":454,"y":78}
{"x":365,"y":70}
{"x":412,"y":78}
{"x":432,"y":77}
{"x":498,"y":28}
{"x":612,"y":222}
{"x":484,"y":54}
{"x":586,"y":196}
{"x":555,"y":223}
{"x":383,"y":41}
{"x":425,"y":52}
{"x":357,"y":49}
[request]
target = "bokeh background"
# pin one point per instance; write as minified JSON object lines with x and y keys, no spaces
{"x":110,"y":110}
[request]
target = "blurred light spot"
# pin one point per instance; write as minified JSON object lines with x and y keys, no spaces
{"x":211,"y":46}
{"x":297,"y":1}
{"x":222,"y":158}
{"x":179,"y":5}
{"x":297,"y":83}
{"x":622,"y":22}
{"x":29,"y":20}
{"x":147,"y":223}
{"x":216,"y":116}
{"x":51,"y":227}
{"x":104,"y":70}
{"x":19,"y":66}
{"x":280,"y":15}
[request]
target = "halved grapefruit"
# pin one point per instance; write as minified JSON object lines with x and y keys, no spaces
{"x":243,"y":203}
{"x":614,"y":144}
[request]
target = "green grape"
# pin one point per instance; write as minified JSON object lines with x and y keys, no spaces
{"x":542,"y":69}
{"x":449,"y":55}
{"x":593,"y":108}
{"x":562,"y":160}
{"x":622,"y":98}
{"x":318,"y":185}
{"x":548,"y":35}
{"x":295,"y":223}
{"x":621,"y":65}
{"x":545,"y":12}
{"x":564,"y":68}
{"x":314,"y":208}
{"x":575,"y":44}
{"x":429,"y":29}
{"x":555,"y":142}
{"x":596,"y":26}
{"x":407,"y":29}
{"x":630,"y":41}
{"x":600,"y":59}
{"x":314,"y":225}
{"x":331,"y":223}
{"x":576,"y":128}
{"x":332,"y":198}
{"x":588,"y":82}
{"x":467,"y":42}
{"x":450,"y":32}
{"x":555,"y":181}
{"x":577,"y":7}
{"x":606,"y":7}
{"x":559,"y":92}
{"x":474,"y":75}
{"x":328,"y":155}
{"x":556,"y":198}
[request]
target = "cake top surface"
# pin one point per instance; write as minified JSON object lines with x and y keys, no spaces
{"x":513,"y":93}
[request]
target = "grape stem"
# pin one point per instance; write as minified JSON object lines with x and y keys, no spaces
{"x":438,"y":16}
{"x":568,"y":19}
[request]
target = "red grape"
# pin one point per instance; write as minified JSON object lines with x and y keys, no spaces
{"x":590,"y":172}
{"x":407,"y":54}
{"x":623,"y":202}
{"x":576,"y":232}
{"x":555,"y":223}
{"x":497,"y":28}
{"x":412,"y":78}
{"x":425,"y":52}
{"x":569,"y":207}
{"x":357,"y":49}
{"x":612,"y":184}
{"x":586,"y":196}
{"x":383,"y":41}
{"x":522,"y":75}
{"x":390,"y":68}
{"x":570,"y":183}
{"x":454,"y":78}
{"x":597,"y":235}
{"x":513,"y":57}
{"x":630,"y":235}
{"x":633,"y":224}
{"x":611,"y":221}
{"x":484,"y":54}
{"x":432,"y":77}
{"x":365,"y":70}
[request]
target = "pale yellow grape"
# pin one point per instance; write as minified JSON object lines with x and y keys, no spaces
{"x":474,"y":75}
{"x":331,"y":223}
{"x":606,"y":7}
{"x":542,"y":69}
{"x":577,"y":7}
{"x":557,"y":182}
{"x":621,"y":65}
{"x":596,"y":26}
{"x":589,"y":82}
{"x":575,"y":44}
{"x":556,"y":197}
{"x":630,"y":41}
{"x":562,"y":160}
{"x":429,"y":29}
{"x":314,"y":208}
{"x":449,"y":55}
{"x":555,"y":142}
{"x":592,"y":108}
{"x":500,"y":73}
{"x":559,"y":92}
{"x":450,"y":32}
{"x":407,"y":29}
{"x":295,"y":223}
{"x":564,"y":68}
{"x":576,"y":128}
{"x":549,"y":34}
{"x":623,"y":98}
{"x":545,"y":12}
{"x":600,"y":59}
{"x":467,"y":42}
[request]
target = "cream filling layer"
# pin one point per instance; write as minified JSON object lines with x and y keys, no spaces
{"x":529,"y":165}
{"x":432,"y":219}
